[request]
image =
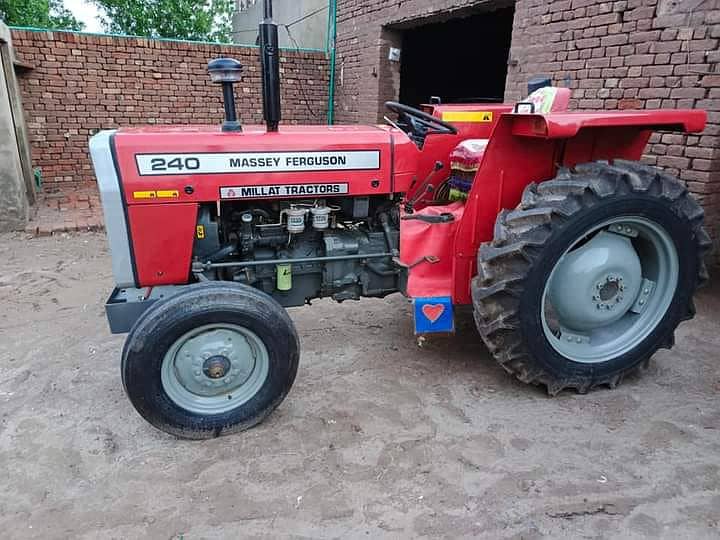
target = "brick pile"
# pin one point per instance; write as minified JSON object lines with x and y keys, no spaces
{"x":74,"y":208}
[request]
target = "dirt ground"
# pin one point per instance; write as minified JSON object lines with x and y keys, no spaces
{"x":378,"y":439}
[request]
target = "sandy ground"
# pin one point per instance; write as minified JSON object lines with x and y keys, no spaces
{"x":378,"y":439}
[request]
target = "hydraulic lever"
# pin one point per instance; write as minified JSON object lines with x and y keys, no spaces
{"x":425,"y":188}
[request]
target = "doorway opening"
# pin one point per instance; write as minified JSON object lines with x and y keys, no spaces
{"x":459,"y":60}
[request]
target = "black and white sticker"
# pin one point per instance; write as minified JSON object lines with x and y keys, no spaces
{"x":256,"y":162}
{"x":289,"y":190}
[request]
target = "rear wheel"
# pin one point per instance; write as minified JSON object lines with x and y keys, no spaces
{"x":590,"y":275}
{"x":215,"y":359}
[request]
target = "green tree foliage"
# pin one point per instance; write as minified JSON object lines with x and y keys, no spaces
{"x":38,"y":13}
{"x":199,"y":20}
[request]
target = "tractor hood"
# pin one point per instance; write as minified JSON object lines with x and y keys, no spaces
{"x":202,"y":164}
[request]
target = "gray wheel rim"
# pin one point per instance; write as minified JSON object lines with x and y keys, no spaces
{"x":215,"y":368}
{"x":610,"y":290}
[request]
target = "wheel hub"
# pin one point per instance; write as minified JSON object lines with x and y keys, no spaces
{"x":216,"y":367}
{"x":611,"y":293}
{"x":596,"y":284}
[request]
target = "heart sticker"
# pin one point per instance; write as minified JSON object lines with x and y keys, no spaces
{"x":433,"y":311}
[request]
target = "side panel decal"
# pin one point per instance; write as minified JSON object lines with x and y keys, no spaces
{"x":256,"y":162}
{"x":479,"y":117}
{"x":283,"y":191}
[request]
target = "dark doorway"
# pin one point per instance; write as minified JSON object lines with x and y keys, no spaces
{"x":460,"y":60}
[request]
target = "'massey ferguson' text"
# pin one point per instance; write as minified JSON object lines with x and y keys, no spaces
{"x":290,"y":161}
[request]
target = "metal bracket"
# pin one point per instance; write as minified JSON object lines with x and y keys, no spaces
{"x":573,"y":337}
{"x":624,"y":230}
{"x":125,"y":306}
{"x":446,"y":217}
{"x":646,"y":291}
{"x":430,"y":259}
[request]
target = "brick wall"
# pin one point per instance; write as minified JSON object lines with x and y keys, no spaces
{"x":613,"y":54}
{"x":633,"y":54}
{"x":366,"y":31}
{"x":82,"y":83}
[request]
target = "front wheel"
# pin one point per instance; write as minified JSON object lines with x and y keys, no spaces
{"x":216,"y":358}
{"x":590,"y":275}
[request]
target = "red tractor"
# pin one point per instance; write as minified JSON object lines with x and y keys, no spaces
{"x":579,"y":261}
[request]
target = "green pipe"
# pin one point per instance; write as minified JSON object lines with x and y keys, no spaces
{"x":332,"y":49}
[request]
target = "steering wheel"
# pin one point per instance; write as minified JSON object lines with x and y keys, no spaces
{"x":418,"y":124}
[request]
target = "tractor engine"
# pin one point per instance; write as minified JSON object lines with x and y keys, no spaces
{"x":301,"y":249}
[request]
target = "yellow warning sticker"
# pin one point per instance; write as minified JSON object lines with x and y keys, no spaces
{"x":201,"y":232}
{"x":476,"y":117}
{"x":173,"y":194}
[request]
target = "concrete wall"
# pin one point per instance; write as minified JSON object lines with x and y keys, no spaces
{"x":82,"y":83}
{"x":310,"y":33}
{"x":14,"y":205}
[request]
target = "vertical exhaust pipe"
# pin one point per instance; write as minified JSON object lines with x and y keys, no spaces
{"x":270,"y":64}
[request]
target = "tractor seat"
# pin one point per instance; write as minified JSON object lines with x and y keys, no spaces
{"x":545,"y":100}
{"x":466,"y":158}
{"x":549,"y":99}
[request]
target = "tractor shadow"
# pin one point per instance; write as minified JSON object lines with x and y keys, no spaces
{"x":466,"y":356}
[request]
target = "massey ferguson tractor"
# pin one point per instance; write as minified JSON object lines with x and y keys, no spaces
{"x":579,"y":261}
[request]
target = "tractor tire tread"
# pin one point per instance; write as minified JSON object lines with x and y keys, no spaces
{"x":520,"y":235}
